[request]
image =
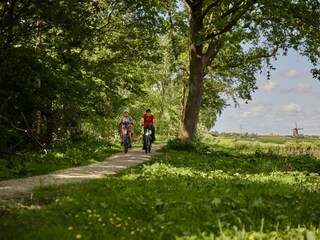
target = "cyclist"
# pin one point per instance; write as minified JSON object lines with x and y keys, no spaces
{"x":126,"y":121}
{"x":148,"y":121}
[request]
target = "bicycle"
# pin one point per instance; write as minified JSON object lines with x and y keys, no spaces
{"x":126,"y":141}
{"x":147,"y":140}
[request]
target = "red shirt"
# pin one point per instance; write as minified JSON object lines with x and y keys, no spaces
{"x":148,"y":119}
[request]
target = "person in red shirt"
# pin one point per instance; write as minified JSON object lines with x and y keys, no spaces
{"x":148,"y":121}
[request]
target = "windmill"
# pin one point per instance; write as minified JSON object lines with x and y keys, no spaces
{"x":295,"y":132}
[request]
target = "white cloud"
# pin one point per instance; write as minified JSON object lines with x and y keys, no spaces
{"x":270,"y":85}
{"x":254,"y":111}
{"x":303,"y":88}
{"x":293,"y":73}
{"x":299,"y":88}
{"x":292,"y":108}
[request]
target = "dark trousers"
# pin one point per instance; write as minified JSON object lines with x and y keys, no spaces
{"x":153,"y":131}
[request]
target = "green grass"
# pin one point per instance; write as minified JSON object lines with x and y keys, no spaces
{"x":188,"y":191}
{"x":64,"y":155}
{"x":280,"y":139}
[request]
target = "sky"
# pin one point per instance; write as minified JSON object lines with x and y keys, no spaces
{"x":290,"y":97}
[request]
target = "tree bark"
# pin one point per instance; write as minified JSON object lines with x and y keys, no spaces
{"x":182,"y":100}
{"x":198,"y":62}
{"x":196,"y":87}
{"x":36,"y":125}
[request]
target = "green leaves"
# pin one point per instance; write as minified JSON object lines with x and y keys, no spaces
{"x":87,"y":59}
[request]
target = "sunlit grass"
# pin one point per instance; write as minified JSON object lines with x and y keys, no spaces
{"x":205,"y":192}
{"x":64,"y":155}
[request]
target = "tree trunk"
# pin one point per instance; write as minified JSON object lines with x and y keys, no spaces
{"x":182,"y":101}
{"x":190,"y":122}
{"x":37,"y":116}
{"x":196,"y":87}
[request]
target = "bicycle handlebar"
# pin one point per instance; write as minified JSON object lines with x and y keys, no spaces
{"x":126,"y":123}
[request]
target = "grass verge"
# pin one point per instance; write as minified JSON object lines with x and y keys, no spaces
{"x":185,"y":192}
{"x":64,"y":155}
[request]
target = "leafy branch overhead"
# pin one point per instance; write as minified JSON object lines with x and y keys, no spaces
{"x":66,"y":64}
{"x":231,"y":41}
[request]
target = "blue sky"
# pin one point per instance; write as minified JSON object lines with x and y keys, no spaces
{"x":290,"y":96}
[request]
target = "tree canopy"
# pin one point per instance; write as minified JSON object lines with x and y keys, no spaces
{"x":229,"y":41}
{"x":64,"y":61}
{"x":67,"y":63}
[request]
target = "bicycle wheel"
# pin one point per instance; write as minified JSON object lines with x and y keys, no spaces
{"x":148,"y":144}
{"x":125,"y":143}
{"x":145,"y":143}
{"x":149,"y":147}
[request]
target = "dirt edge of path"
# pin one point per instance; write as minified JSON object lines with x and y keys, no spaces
{"x":19,"y":188}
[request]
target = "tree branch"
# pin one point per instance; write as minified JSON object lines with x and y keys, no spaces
{"x":212,"y":51}
{"x":30,"y":134}
{"x":212,"y":5}
{"x":188,"y":2}
{"x":234,"y":20}
{"x":232,"y":10}
{"x":97,"y":32}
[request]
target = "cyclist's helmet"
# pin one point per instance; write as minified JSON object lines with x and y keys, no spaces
{"x":126,"y":111}
{"x":148,"y":110}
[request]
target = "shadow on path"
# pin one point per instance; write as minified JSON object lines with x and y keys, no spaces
{"x":13,"y":188}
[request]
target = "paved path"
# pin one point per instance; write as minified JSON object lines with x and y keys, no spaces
{"x":14,"y":188}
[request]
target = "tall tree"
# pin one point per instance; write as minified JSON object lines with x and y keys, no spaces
{"x":88,"y":58}
{"x":230,"y":40}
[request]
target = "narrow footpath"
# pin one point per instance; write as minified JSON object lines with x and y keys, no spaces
{"x":15,"y":188}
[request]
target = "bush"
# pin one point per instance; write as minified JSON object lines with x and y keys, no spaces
{"x":188,"y":146}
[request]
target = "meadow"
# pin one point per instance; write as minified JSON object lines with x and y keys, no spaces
{"x":64,"y":154}
{"x":209,"y":189}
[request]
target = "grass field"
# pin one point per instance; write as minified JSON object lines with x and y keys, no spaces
{"x":63,"y":155}
{"x":220,"y":189}
{"x":281,"y":139}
